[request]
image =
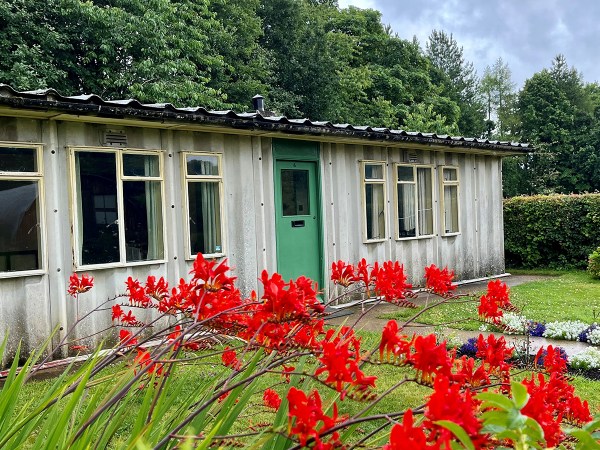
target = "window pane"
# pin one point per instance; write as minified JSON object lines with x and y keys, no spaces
{"x":406,"y":173}
{"x":18,"y":159}
{"x":450,"y":175}
{"x":140,"y":165}
{"x":374,"y":171}
{"x":294,"y":192}
{"x":406,"y":210}
{"x":142,"y":206}
{"x":20,"y":231}
{"x":97,"y":225}
{"x":375,"y":211}
{"x":425,"y":201}
{"x":451,"y":209}
{"x":202,"y":165}
{"x":205,"y":217}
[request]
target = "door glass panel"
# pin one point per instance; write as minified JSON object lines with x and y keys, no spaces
{"x":18,"y":159}
{"x":425,"y":201}
{"x":205,"y":217}
{"x":140,"y":165}
{"x":97,"y":207}
{"x":202,"y":165}
{"x":406,"y":210}
{"x":20,"y":231}
{"x":451,"y":209}
{"x":295,"y":192}
{"x":142,"y":205}
{"x":375,"y":205}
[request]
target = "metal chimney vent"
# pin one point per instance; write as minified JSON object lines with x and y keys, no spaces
{"x":113,"y":138}
{"x":258,"y":101}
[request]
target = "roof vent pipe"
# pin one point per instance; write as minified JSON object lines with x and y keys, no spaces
{"x":259,"y":102}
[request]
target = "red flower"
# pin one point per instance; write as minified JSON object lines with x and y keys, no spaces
{"x":271,"y":399}
{"x":554,"y":362}
{"x":137,"y":294}
{"x":392,"y":342}
{"x":467,"y":374}
{"x":390,"y":281}
{"x":497,"y":296}
{"x":157,"y":290}
{"x":79,"y":347}
{"x":79,"y":286}
{"x":494,"y":352}
{"x":363,"y":273}
{"x":117,"y":313}
{"x":129,"y":318}
{"x":209,"y":278}
{"x":229,"y":359}
{"x":488,"y":310}
{"x":408,"y":437}
{"x":342,"y":273}
{"x":429,"y":358}
{"x":439,"y":281}
{"x":126,"y":338}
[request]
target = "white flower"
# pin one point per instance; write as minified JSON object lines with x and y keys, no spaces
{"x":568,"y":330}
{"x":587,"y":359}
{"x":515,"y":322}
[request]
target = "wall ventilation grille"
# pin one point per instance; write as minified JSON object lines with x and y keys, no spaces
{"x":410,"y":157}
{"x":114,"y":138}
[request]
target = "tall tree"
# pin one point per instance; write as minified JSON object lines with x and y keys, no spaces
{"x":499,"y":92}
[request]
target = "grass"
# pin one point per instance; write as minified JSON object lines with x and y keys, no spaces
{"x":572,"y":295}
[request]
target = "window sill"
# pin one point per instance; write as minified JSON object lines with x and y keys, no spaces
{"x":374,"y":241}
{"x":415,"y":238}
{"x":118,"y":265}
{"x":207,"y":256}
{"x":23,"y":273}
{"x":451,"y":234}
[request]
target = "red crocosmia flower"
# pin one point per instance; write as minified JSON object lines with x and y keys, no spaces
{"x":79,"y":347}
{"x":137,"y":294}
{"x":229,"y":359}
{"x":126,"y":338}
{"x":554,"y":362}
{"x":499,"y":293}
{"x":467,"y":374}
{"x":271,"y":399}
{"x":80,"y":285}
{"x":211,"y":278}
{"x":494,"y":352}
{"x":342,"y":273}
{"x":117,"y":313}
{"x":362,"y":273}
{"x":439,"y":281}
{"x":450,"y":402}
{"x":287,"y":370}
{"x":390,"y":282}
{"x":157,"y":290}
{"x":390,"y":340}
{"x":176,"y":333}
{"x":408,"y":437}
{"x":429,"y":359}
{"x":224,"y":396}
{"x":488,"y":310}
{"x":129,"y":318}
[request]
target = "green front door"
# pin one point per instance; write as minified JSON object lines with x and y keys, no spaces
{"x":297,"y":220}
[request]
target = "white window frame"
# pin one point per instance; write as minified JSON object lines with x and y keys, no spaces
{"x":77,"y":266}
{"x":186,"y":179}
{"x":444,"y":183}
{"x":31,"y":176}
{"x":364,"y":182}
{"x":414,"y":183}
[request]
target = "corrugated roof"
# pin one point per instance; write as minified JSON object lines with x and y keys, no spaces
{"x":95,"y":105}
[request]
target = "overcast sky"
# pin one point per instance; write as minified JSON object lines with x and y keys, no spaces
{"x":525,"y":33}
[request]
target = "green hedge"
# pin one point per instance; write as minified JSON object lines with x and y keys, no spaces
{"x":556,"y":231}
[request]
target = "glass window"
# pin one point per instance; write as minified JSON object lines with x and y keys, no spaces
{"x":374,"y":201}
{"x":21,"y":160}
{"x":20,"y":225}
{"x":199,"y":165}
{"x":118,"y":220}
{"x":415,"y":201}
{"x":450,"y":200}
{"x":294,"y":192}
{"x":141,"y":165}
{"x":204,"y":195}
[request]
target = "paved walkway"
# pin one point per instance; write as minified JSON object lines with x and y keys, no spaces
{"x":371,"y":322}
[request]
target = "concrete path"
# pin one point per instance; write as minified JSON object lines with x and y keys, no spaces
{"x":371,"y":322}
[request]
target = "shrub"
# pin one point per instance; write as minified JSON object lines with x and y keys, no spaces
{"x":556,"y":231}
{"x":594,"y":263}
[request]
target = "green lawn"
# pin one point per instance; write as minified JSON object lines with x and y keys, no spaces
{"x":571,"y":295}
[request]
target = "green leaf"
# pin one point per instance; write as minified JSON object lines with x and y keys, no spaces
{"x":494,"y":401}
{"x":520,"y":395}
{"x":458,"y":431}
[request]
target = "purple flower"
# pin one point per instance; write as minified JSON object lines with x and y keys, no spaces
{"x":469,"y":348}
{"x":583,"y":336}
{"x":536,"y":328}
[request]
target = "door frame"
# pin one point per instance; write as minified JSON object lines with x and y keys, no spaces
{"x":306,"y":151}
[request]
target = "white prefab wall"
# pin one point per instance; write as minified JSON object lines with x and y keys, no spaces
{"x":32,"y":306}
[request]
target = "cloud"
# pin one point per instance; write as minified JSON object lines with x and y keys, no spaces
{"x":527,"y":34}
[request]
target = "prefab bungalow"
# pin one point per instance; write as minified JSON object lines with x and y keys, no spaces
{"x":119,"y":188}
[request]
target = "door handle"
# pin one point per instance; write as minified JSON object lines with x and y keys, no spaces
{"x":297,"y":223}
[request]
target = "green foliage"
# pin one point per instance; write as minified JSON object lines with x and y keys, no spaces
{"x":594,"y":263}
{"x":556,"y":231}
